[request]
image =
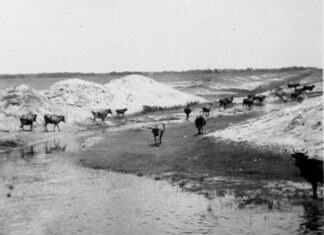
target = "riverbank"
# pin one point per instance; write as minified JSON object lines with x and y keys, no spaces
{"x":197,"y":163}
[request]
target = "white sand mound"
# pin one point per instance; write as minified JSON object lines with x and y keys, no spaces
{"x":76,"y":98}
{"x":16,"y":101}
{"x":135,"y":91}
{"x":299,"y":127}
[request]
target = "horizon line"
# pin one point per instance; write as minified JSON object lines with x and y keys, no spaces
{"x":164,"y":71}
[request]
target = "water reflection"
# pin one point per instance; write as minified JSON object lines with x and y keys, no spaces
{"x":50,"y":194}
{"x":27,"y":153}
{"x":312,"y":218}
{"x":54,"y":146}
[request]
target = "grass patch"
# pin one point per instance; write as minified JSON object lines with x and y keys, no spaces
{"x":153,"y":108}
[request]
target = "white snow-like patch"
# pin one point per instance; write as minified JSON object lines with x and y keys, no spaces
{"x":135,"y":91}
{"x":299,"y":127}
{"x":76,"y":98}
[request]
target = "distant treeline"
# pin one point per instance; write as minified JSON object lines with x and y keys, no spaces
{"x":194,"y":71}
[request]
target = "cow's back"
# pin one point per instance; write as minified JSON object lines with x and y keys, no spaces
{"x":312,"y":170}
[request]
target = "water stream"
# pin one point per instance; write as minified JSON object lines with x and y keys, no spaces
{"x":43,"y":190}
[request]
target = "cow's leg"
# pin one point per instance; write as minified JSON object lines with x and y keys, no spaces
{"x":155,"y":139}
{"x":31,"y":127}
{"x":314,"y":186}
{"x":58,"y":127}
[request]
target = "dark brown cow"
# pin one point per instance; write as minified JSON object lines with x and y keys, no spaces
{"x":121,"y":112}
{"x":27,"y":119}
{"x":293,"y":85}
{"x":53,"y":119}
{"x":310,"y":169}
{"x":200,"y":122}
{"x":248,"y":102}
{"x":158,"y":131}
{"x":308,"y":87}
{"x":187,"y":111}
{"x":226,"y":102}
{"x":259,"y":98}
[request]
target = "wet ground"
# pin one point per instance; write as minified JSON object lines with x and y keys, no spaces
{"x":71,"y":185}
{"x":45,"y":191}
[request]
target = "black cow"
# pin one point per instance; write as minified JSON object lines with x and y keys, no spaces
{"x":295,"y":95}
{"x":225,"y":102}
{"x":187,"y":111}
{"x":248,"y":102}
{"x":158,"y":131}
{"x":293,"y":85}
{"x":205,"y":110}
{"x":27,"y":119}
{"x":53,"y":119}
{"x":200,"y":122}
{"x":259,"y":98}
{"x":121,"y":112}
{"x":308,"y":87}
{"x":310,"y":169}
{"x":101,"y":114}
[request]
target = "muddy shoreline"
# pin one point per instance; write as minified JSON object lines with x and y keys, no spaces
{"x":197,"y":163}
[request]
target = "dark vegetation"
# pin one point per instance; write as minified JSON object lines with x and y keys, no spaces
{"x":154,"y":108}
{"x":125,"y":73}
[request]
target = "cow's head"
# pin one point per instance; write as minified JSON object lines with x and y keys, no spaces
{"x":63,"y":119}
{"x":299,"y":157}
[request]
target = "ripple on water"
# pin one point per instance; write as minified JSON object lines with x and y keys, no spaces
{"x":52,"y":195}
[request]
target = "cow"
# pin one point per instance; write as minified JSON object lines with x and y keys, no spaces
{"x":310,"y":169}
{"x":158,"y":131}
{"x":27,"y":119}
{"x":259,"y":98}
{"x":225,"y":102}
{"x":187,"y":111}
{"x":293,"y":85}
{"x":248,"y":102}
{"x":308,"y":87}
{"x":295,"y":95}
{"x":53,"y":119}
{"x":205,"y":110}
{"x":121,"y":112}
{"x":200,"y":122}
{"x":101,"y":114}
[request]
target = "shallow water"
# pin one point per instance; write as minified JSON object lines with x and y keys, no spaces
{"x":45,"y":191}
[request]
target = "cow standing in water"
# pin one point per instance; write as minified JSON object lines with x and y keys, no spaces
{"x":310,"y":169}
{"x":27,"y":119}
{"x":53,"y":119}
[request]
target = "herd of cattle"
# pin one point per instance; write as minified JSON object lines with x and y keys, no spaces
{"x":297,"y":93}
{"x":310,"y":169}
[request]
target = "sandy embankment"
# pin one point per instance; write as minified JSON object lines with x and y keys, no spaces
{"x":76,"y":98}
{"x":297,"y":127}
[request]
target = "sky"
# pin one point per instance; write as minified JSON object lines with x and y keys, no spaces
{"x":157,"y":35}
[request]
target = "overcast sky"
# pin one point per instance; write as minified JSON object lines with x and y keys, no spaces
{"x":154,"y":35}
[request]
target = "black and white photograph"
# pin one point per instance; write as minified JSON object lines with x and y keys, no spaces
{"x":159,"y":117}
